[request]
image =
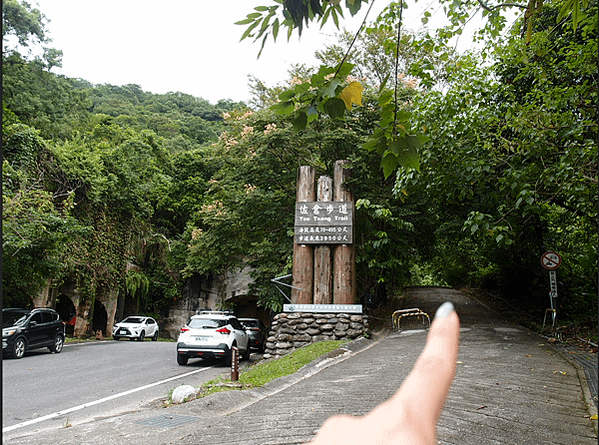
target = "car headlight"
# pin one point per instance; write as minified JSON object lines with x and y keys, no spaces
{"x":8,"y":332}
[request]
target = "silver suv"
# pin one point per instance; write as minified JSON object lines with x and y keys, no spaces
{"x":212,"y":334}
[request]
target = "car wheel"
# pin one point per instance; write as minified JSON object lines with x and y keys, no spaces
{"x":58,"y":344}
{"x":18,"y":349}
{"x":155,"y":336}
{"x":246,"y":353}
{"x":142,"y":335}
{"x":116,"y":338}
{"x":182,"y":359}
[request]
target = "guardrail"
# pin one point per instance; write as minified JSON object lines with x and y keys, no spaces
{"x":402,"y":313}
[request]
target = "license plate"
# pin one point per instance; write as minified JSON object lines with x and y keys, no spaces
{"x":201,"y":339}
{"x":122,"y":332}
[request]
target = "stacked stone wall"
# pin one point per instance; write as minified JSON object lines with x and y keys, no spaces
{"x":290,"y":331}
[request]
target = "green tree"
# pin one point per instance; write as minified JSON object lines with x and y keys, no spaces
{"x":27,"y":25}
{"x":37,"y":218}
{"x":510,"y":167}
{"x":41,"y":99}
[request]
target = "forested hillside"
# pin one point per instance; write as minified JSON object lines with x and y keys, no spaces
{"x":466,"y":168}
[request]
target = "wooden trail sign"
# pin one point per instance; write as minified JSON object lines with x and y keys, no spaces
{"x":324,"y":222}
{"x":323,"y":240}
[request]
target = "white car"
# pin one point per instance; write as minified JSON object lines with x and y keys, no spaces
{"x":136,"y":327}
{"x":212,"y":334}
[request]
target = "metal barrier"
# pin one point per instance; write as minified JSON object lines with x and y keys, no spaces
{"x":414,"y":312}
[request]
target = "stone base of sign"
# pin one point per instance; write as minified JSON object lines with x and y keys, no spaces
{"x":290,"y":331}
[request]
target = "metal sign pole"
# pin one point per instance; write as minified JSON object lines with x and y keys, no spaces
{"x":551,"y":261}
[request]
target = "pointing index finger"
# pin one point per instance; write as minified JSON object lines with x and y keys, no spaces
{"x":420,"y":398}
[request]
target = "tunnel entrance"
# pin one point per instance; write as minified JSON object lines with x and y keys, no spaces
{"x":100,"y":318}
{"x":68,"y":313}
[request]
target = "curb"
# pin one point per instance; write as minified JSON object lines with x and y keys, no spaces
{"x":584,"y":384}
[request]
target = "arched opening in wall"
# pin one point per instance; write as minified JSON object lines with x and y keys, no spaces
{"x":67,"y":311}
{"x":130,"y":305}
{"x":100,"y":318}
{"x":247,"y":307}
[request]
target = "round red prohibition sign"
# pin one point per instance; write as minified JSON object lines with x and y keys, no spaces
{"x":551,"y":260}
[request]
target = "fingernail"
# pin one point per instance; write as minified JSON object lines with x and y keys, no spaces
{"x":444,"y":310}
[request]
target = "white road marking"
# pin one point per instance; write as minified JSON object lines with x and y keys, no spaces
{"x":97,"y":402}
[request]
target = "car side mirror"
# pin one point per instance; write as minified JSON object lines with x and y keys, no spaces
{"x":33,"y":323}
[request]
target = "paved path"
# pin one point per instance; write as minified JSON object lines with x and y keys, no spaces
{"x":511,"y":387}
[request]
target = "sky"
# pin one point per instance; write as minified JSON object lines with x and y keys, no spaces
{"x":188,"y":46}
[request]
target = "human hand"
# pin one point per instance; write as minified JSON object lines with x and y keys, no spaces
{"x":410,"y":416}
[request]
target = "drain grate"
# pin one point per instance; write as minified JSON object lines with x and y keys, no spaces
{"x":167,"y":421}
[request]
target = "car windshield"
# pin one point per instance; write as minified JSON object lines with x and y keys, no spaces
{"x":250,"y":323}
{"x":206,"y":323}
{"x":12,"y":318}
{"x":134,"y":320}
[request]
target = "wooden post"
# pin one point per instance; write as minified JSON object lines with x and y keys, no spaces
{"x":303,"y":255}
{"x":344,"y":256}
{"x":323,"y":263}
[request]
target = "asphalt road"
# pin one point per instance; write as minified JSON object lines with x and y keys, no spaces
{"x":93,"y":380}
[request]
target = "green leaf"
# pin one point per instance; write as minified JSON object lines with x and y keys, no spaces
{"x":566,"y":8}
{"x":300,"y":121}
{"x":335,"y":17}
{"x":385,"y":97}
{"x":344,"y":70}
{"x":286,"y":95}
{"x":413,"y":143}
{"x":397,"y":146}
{"x":244,"y":22}
{"x":262,"y":45}
{"x":283,"y":108}
{"x":334,"y":108}
{"x":403,"y":115}
{"x":249,"y":30}
{"x":330,"y":90}
{"x":371,"y":144}
{"x":383,"y":84}
{"x":389,"y":164}
{"x":353,"y":6}
{"x":325,"y":17}
{"x":408,"y":159}
{"x":275,"y":29}
{"x":386,"y":116}
{"x":302,"y":88}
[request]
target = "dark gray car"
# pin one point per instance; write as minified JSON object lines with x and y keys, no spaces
{"x":24,"y":329}
{"x":257,"y":331}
